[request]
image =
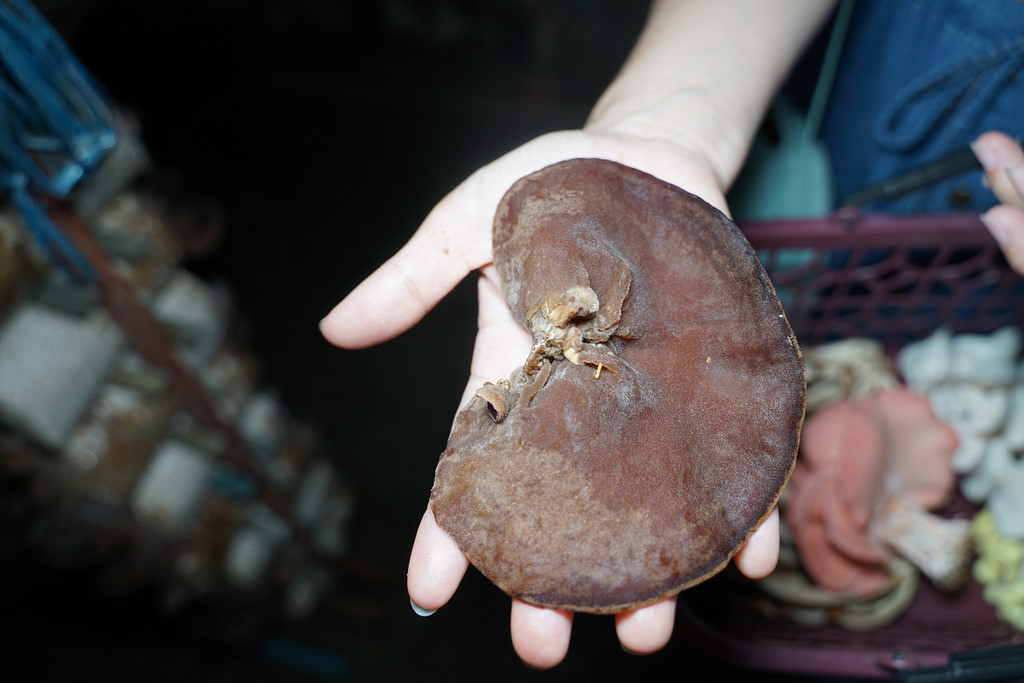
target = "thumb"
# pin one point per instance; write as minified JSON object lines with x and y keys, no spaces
{"x":1003,"y":160}
{"x":453,"y":240}
{"x":1006,"y":223}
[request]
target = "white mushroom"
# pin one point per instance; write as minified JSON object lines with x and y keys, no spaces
{"x":846,"y":369}
{"x":981,"y":396}
{"x":971,"y":409}
{"x":969,"y":453}
{"x":927,"y":363}
{"x":1013,"y":433}
{"x":1006,"y":501}
{"x":988,"y":359}
{"x":992,"y":473}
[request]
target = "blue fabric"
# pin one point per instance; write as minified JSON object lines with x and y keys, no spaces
{"x":918,"y":79}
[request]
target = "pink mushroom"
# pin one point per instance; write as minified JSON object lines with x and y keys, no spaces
{"x":869,"y":470}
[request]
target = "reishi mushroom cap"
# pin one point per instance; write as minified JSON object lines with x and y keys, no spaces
{"x":641,"y":443}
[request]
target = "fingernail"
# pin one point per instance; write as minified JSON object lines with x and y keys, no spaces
{"x":996,"y":228}
{"x":421,"y":611}
{"x":986,"y":155}
{"x":1016,"y":176}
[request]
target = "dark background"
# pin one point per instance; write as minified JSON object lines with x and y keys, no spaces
{"x":326,"y":130}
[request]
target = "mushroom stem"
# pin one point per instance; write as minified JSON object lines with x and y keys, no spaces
{"x":940,"y":548}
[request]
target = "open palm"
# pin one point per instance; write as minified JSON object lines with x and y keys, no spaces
{"x":454,"y":240}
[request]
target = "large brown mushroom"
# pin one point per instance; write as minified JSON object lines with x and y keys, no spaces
{"x":657,"y":417}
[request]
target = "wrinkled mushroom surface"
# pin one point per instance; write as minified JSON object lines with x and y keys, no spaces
{"x":657,"y":418}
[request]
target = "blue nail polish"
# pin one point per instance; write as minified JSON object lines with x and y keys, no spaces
{"x":421,"y":611}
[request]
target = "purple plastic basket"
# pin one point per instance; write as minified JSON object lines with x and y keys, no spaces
{"x":717,"y":616}
{"x":892,"y":278}
{"x":895,"y":279}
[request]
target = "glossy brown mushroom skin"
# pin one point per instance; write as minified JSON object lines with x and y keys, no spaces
{"x":638,"y":470}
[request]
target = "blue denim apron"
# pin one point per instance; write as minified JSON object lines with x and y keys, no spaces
{"x":918,"y":79}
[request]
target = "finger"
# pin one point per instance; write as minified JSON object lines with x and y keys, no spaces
{"x":758,"y":557}
{"x":648,"y":629}
{"x":540,"y":636}
{"x":1003,"y":161}
{"x":1016,"y":177}
{"x":1015,"y":174}
{"x":454,"y":239}
{"x":1006,"y":223}
{"x":502,"y":343}
{"x":436,"y":566}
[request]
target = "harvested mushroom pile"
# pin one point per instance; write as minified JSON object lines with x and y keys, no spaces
{"x":859,"y":514}
{"x":974,"y":385}
{"x":880,"y":457}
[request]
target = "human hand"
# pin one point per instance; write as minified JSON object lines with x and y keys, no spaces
{"x":454,"y":240}
{"x":1003,"y":160}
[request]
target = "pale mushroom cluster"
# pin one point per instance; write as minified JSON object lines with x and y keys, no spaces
{"x":976,"y":385}
{"x":845,"y":370}
{"x":1000,"y":568}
